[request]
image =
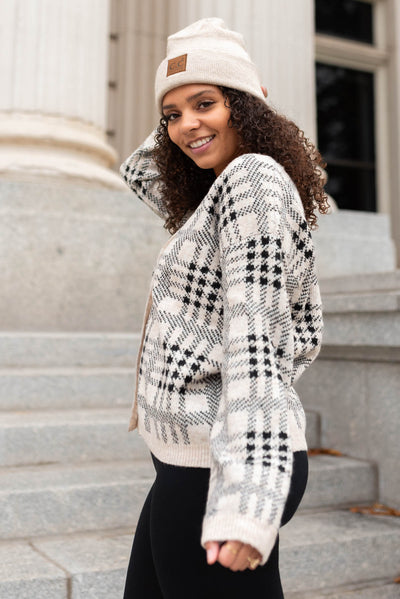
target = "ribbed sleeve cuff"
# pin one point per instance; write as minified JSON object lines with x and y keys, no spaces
{"x":237,"y":528}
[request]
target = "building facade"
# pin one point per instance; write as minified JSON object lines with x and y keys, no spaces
{"x":76,"y":255}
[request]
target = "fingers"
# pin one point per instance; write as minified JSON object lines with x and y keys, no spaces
{"x":233,"y":555}
{"x":238,"y":556}
{"x":254,"y":560}
{"x":228,"y":553}
{"x":212,"y":548}
{"x":247,"y":557}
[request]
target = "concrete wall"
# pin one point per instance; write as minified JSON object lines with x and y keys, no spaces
{"x":355,"y":382}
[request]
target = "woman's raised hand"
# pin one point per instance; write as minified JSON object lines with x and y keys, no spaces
{"x":233,"y":555}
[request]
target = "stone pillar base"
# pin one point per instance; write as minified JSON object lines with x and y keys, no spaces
{"x":40,"y":146}
{"x":74,"y":258}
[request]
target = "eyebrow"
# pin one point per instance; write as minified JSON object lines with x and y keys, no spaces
{"x":190,"y":98}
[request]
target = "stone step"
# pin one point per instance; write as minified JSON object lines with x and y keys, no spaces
{"x":347,"y":323}
{"x":337,"y":481}
{"x":58,"y":499}
{"x":381,"y":282}
{"x":378,"y":590}
{"x":362,"y":302}
{"x":40,"y":437}
{"x":54,"y":388}
{"x":320,"y":551}
{"x":60,"y":349}
{"x":25,"y":573}
{"x":316,"y":552}
{"x":75,"y":388}
{"x":50,"y":436}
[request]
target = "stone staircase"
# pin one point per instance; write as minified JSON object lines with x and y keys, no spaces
{"x":73,"y":482}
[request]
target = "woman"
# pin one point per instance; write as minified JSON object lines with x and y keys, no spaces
{"x":233,"y":319}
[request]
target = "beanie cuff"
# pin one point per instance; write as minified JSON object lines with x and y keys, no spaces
{"x":207,"y":66}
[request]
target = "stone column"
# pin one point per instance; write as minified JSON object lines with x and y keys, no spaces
{"x":141,"y":30}
{"x":53,"y":94}
{"x":76,"y":248}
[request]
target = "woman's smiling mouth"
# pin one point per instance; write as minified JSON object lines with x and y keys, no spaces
{"x":200,"y":143}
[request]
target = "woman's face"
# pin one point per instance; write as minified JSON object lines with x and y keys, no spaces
{"x":197,"y":120}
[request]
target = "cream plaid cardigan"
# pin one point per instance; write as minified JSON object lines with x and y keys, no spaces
{"x":233,"y":319}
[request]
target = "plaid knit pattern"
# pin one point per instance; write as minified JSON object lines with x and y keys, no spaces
{"x":235,"y":318}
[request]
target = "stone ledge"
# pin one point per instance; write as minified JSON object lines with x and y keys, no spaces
{"x":366,"y":353}
{"x":380,"y":281}
{"x":57,"y":499}
{"x":365,"y":302}
{"x":67,"y":436}
{"x":355,"y":329}
{"x":75,"y":388}
{"x":74,"y":349}
{"x":335,"y":480}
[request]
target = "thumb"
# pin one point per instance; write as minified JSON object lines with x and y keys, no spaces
{"x":212,"y":548}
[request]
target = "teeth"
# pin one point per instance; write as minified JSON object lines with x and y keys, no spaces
{"x":201,"y":142}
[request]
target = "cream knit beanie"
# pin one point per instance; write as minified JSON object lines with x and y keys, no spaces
{"x":207,"y":52}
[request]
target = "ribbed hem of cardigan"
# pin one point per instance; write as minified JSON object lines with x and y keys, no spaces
{"x":194,"y":456}
{"x":198,"y":455}
{"x":226,"y":527}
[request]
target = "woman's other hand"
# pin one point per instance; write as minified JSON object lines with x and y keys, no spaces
{"x":233,"y":555}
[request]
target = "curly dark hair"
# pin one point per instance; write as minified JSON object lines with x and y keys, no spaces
{"x":261,"y":130}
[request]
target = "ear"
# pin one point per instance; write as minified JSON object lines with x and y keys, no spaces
{"x":264,"y":91}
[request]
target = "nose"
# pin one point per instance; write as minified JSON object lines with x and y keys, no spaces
{"x":189,"y":121}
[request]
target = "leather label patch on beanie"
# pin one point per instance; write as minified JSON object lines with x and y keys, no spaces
{"x":176,"y":65}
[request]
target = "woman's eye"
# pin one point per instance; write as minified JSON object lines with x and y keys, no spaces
{"x":205,"y":104}
{"x":171,"y":117}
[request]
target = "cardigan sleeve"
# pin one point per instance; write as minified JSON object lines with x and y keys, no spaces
{"x":140,"y":173}
{"x":251,"y":454}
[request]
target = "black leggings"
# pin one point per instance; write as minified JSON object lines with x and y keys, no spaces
{"x":167,"y":560}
